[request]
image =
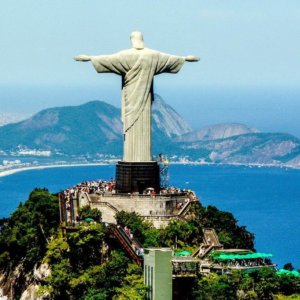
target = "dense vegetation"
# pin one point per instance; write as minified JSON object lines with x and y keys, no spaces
{"x":181,"y":234}
{"x":28,"y":230}
{"x":263,"y":284}
{"x":24,"y":236}
{"x":85,"y":264}
{"x":81,"y":269}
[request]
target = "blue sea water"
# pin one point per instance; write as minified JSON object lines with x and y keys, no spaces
{"x":266,"y":200}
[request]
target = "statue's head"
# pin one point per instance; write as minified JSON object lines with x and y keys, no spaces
{"x":137,"y":40}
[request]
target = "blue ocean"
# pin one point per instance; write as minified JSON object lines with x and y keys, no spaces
{"x":266,"y":200}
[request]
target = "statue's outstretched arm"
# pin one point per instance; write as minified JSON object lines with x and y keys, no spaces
{"x":191,"y":58}
{"x":83,"y":57}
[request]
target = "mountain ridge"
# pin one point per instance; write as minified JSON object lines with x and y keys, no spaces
{"x":94,"y":129}
{"x":216,"y":131}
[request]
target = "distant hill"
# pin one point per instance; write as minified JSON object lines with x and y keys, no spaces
{"x":94,"y":129}
{"x":167,"y":120}
{"x":214,"y":132}
{"x":70,"y":130}
{"x":250,"y":148}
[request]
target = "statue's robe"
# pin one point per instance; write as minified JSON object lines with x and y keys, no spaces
{"x":137,"y":68}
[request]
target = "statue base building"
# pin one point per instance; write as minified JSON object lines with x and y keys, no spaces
{"x":135,"y":177}
{"x":136,"y":189}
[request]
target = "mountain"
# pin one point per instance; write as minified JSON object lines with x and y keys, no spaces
{"x":250,"y":148}
{"x":167,"y":125}
{"x":95,"y":128}
{"x":167,"y":120}
{"x":218,"y":131}
{"x":70,"y":130}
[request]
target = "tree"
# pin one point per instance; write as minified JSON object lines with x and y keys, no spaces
{"x":265,"y":283}
{"x":85,"y":245}
{"x":288,"y":266}
{"x":93,"y":213}
{"x":133,"y":287}
{"x":230,"y":234}
{"x":180,"y":234}
{"x":215,"y":287}
{"x":144,"y":231}
{"x":25,"y":234}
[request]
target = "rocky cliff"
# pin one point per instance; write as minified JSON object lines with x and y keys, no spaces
{"x":167,"y":120}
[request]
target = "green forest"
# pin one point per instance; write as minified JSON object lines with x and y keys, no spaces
{"x":83,"y":263}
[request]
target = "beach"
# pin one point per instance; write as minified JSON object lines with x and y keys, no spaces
{"x":40,"y":167}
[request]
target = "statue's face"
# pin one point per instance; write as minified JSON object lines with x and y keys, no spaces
{"x":137,"y":40}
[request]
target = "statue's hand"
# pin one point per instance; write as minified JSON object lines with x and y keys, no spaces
{"x":192,"y":58}
{"x":82,"y":57}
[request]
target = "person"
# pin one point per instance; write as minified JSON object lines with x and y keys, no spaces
{"x":126,"y":230}
{"x":137,"y":66}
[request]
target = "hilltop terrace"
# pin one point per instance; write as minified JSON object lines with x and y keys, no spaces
{"x":159,"y":208}
{"x":103,"y":187}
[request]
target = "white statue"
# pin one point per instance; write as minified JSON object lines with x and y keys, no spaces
{"x":137,"y":66}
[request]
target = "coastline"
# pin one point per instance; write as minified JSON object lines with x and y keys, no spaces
{"x":41,"y":167}
{"x":193,"y":185}
{"x":12,"y":171}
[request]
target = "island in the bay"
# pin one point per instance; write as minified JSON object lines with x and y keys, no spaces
{"x":133,"y":237}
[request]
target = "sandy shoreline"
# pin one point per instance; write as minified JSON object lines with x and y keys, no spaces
{"x":40,"y":167}
{"x":18,"y":170}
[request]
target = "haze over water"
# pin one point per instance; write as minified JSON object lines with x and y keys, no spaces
{"x":266,"y":200}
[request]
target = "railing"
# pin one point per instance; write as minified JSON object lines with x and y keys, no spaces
{"x":83,"y":195}
{"x":185,"y":266}
{"x":205,"y":251}
{"x":184,"y":208}
{"x":158,"y":215}
{"x":164,"y":216}
{"x":142,"y":196}
{"x":103,"y":203}
{"x":211,"y":241}
{"x":126,"y":243}
{"x":237,"y":266}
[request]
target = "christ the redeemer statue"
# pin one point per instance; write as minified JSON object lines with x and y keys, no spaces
{"x":137,"y":66}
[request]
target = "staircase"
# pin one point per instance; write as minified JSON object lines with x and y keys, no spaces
{"x":211,"y":242}
{"x":129,"y":245}
{"x":185,"y":209}
{"x":210,"y":237}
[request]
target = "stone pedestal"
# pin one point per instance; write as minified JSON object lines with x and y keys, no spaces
{"x":137,"y":176}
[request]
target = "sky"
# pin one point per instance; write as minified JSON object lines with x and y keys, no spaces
{"x":249,"y":50}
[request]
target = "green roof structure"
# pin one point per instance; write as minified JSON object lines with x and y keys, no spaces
{"x":288,"y":272}
{"x":183,"y":253}
{"x":220,"y":255}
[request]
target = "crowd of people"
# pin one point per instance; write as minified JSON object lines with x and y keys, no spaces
{"x":91,"y":187}
{"x":103,"y":186}
{"x":172,"y":190}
